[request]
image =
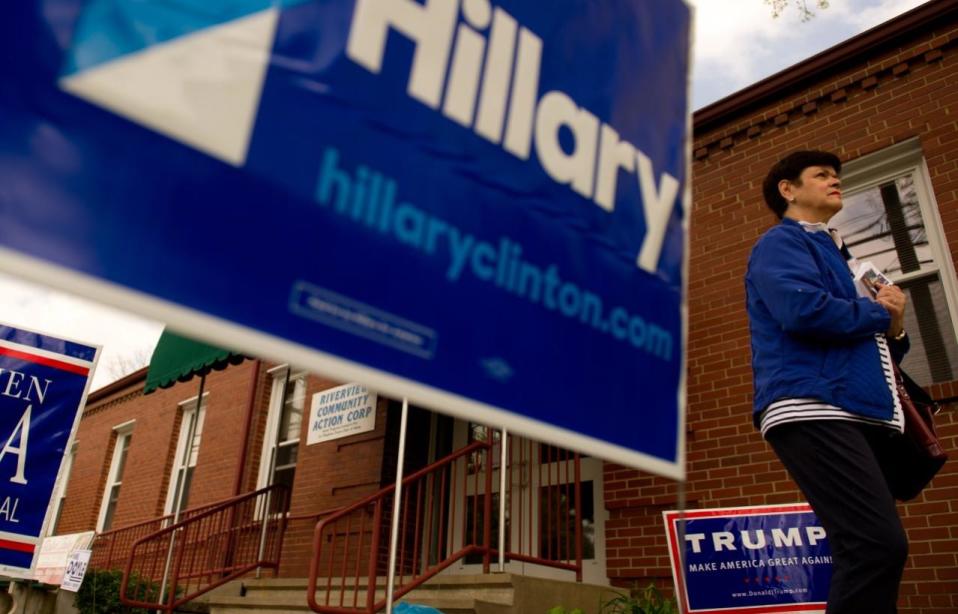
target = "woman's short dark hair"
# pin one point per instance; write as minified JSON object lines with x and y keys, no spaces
{"x":790,"y":168}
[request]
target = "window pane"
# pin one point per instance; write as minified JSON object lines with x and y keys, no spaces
{"x":176,"y":490}
{"x":286,"y":455}
{"x":290,"y":421}
{"x":197,"y":433}
{"x":557,"y":521}
{"x":187,"y":483}
{"x":121,"y":462}
{"x":284,"y":477}
{"x":189,"y":422}
{"x":474,"y":529}
{"x":111,"y":507}
{"x":934,"y":350}
{"x":884,"y":225}
{"x":477,"y":432}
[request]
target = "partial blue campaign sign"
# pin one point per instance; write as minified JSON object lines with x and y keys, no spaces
{"x":748,"y":560}
{"x":43,"y":387}
{"x":481,"y":205}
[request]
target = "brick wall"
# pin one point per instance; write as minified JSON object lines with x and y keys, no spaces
{"x":156,"y":419}
{"x":910,"y":91}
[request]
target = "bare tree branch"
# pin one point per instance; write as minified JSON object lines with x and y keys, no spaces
{"x":122,"y":365}
{"x":779,"y":6}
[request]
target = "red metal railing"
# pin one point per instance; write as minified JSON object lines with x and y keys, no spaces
{"x":544,"y":500}
{"x":111,"y":548}
{"x":350,"y":548}
{"x":212,"y":546}
{"x":446,"y":513}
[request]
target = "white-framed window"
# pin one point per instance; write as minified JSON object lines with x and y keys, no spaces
{"x":60,"y":491}
{"x":890,"y":217}
{"x":184,"y":462}
{"x":123,"y":435}
{"x":283,"y":427}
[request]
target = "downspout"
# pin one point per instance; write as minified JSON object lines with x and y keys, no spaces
{"x":250,"y":410}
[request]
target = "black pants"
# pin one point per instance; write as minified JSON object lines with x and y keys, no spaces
{"x":836,"y":465}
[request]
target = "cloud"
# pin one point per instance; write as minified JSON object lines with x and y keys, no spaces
{"x":866,"y":15}
{"x":738,"y":42}
{"x":728,"y":35}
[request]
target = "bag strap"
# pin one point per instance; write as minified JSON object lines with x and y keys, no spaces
{"x":915,"y":392}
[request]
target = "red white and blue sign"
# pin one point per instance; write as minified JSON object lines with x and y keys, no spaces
{"x":749,"y":560}
{"x":481,"y":205}
{"x":43,"y":387}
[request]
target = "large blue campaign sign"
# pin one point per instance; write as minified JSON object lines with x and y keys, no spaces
{"x":752,"y":560}
{"x":43,"y":387}
{"x":478,"y":204}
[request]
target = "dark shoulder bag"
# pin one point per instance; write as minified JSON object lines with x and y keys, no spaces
{"x":916,"y":455}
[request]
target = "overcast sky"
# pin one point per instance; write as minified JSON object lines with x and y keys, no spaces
{"x":737,"y":43}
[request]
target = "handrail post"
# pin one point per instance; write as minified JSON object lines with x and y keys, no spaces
{"x":487,"y":508}
{"x":503,"y":443}
{"x":262,"y":533}
{"x":373,"y":556}
{"x":265,"y":510}
{"x":578,"y":520}
{"x":397,"y":506}
{"x":176,"y":571}
{"x":281,"y":528}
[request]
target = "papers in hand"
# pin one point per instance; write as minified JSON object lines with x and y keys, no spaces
{"x":869,"y":277}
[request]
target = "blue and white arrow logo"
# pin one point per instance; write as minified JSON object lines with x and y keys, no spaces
{"x":192,"y":70}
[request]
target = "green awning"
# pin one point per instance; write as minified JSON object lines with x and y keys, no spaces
{"x":177,"y":359}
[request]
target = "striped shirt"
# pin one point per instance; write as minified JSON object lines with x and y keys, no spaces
{"x":786,"y":411}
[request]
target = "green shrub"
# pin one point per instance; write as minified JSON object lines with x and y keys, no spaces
{"x":100,"y":593}
{"x":647,"y":601}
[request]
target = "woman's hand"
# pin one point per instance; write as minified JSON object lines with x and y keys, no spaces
{"x":893,"y":300}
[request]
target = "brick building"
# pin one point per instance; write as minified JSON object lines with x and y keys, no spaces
{"x":886,"y":101}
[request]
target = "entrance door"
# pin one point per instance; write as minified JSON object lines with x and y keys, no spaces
{"x":540,"y":515}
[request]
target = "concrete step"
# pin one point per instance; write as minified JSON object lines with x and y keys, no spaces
{"x":486,"y":607}
{"x":247,"y":605}
{"x":450,"y":594}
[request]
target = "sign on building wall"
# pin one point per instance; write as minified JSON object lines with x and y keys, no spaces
{"x":43,"y":388}
{"x":475,"y":204}
{"x":340,"y":412}
{"x":749,"y":559}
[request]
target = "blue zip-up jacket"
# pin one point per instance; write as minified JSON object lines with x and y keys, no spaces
{"x":812,"y":335}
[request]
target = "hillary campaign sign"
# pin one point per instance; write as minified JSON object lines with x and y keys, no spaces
{"x":478,"y":204}
{"x":43,"y":387}
{"x":755,"y":560}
